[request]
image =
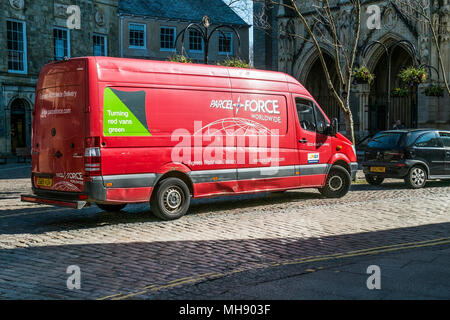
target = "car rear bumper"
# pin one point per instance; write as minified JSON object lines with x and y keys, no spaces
{"x":392,"y":170}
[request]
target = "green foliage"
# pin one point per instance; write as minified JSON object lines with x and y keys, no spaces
{"x":413,"y":76}
{"x":234,"y":62}
{"x":363,"y":75}
{"x":434,"y":91}
{"x":180,"y":58}
{"x":400,"y":92}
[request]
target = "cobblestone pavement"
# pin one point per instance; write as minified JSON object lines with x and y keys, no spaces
{"x":131,"y":254}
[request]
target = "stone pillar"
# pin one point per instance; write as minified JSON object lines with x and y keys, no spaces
{"x":362,"y":91}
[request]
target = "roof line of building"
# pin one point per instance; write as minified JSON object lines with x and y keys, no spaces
{"x":122,"y":14}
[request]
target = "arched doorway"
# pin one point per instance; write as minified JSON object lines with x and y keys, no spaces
{"x":19,"y":129}
{"x":402,"y":108}
{"x":316,"y":84}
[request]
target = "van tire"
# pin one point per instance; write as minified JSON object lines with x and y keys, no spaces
{"x":337,"y":184}
{"x":374,"y":180}
{"x":171,"y":199}
{"x":111,"y":207}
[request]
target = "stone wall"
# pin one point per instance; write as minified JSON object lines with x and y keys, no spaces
{"x":40,"y":17}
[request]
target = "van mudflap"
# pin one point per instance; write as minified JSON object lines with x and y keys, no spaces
{"x":76,"y":204}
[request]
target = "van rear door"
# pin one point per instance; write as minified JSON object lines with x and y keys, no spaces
{"x":59,"y":127}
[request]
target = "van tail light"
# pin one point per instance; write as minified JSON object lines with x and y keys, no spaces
{"x":92,"y":156}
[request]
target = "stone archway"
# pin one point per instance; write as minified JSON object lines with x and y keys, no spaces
{"x":401,"y":108}
{"x":19,"y":123}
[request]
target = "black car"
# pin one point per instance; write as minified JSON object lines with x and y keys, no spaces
{"x":415,"y":155}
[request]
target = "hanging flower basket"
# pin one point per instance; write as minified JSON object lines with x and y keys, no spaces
{"x":362,"y":75}
{"x":234,"y":62}
{"x":400,"y":92}
{"x":180,"y":58}
{"x":413,"y":76}
{"x":434,"y":91}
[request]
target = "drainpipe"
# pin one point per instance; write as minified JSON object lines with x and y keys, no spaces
{"x":121,"y":36}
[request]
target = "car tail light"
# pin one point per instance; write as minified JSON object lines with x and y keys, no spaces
{"x":92,"y":156}
{"x":397,"y":155}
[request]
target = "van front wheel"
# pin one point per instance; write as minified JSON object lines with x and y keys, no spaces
{"x":337,"y":184}
{"x":171,"y":199}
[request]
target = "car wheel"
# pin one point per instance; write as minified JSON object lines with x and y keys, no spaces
{"x":111,"y":207}
{"x":374,"y":180}
{"x":171,"y":199}
{"x":417,"y":177}
{"x":337,"y":184}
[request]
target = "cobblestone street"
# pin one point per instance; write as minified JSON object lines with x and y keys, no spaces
{"x":131,"y":254}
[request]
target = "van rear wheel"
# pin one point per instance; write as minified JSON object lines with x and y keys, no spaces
{"x":111,"y":207}
{"x":337,"y":184}
{"x":171,"y":199}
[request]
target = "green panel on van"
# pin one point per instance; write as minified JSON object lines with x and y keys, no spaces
{"x":124,"y":113}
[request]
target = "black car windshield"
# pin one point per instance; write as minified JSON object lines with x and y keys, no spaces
{"x":386,"y":140}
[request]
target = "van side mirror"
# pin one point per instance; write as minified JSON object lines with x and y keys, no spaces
{"x":334,"y":128}
{"x":321,"y":127}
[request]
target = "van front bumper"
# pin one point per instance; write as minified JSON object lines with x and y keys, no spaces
{"x":353,"y":170}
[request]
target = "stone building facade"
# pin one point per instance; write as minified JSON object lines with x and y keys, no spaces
{"x":33,"y":33}
{"x":149,"y":29}
{"x":369,"y":104}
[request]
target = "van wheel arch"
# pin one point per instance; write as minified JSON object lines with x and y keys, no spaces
{"x":176,"y":174}
{"x":343,"y":164}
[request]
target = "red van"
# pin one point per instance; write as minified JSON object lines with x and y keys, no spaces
{"x":113,"y":131}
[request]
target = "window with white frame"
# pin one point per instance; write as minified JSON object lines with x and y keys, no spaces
{"x":167,"y":38}
{"x":17,"y":46}
{"x":195,"y":41}
{"x":225,"y":43}
{"x":136,"y":38}
{"x":100,"y":45}
{"x":61,"y":40}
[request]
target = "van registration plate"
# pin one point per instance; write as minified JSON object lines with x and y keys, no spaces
{"x":45,"y":182}
{"x":377,"y":169}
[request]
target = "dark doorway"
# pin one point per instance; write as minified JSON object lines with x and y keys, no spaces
{"x":18,"y":124}
{"x":402,"y":108}
{"x":316,"y":84}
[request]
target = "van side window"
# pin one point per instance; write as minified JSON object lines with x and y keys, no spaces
{"x":428,"y":140}
{"x":320,"y":116}
{"x":305,"y":112}
{"x":445,"y":137}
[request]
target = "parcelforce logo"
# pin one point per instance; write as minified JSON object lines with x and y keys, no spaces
{"x":257,"y":106}
{"x":70,"y":175}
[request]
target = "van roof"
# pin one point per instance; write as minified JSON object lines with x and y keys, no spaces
{"x":112,"y":69}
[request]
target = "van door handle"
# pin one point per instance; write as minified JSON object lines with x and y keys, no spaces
{"x":58,"y":154}
{"x":303,"y":140}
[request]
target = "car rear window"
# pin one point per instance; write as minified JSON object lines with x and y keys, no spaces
{"x":386,"y":140}
{"x":445,"y":137}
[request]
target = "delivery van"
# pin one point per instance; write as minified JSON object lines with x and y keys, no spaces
{"x":113,"y":131}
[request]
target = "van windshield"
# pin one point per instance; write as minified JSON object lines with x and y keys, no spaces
{"x":386,"y":140}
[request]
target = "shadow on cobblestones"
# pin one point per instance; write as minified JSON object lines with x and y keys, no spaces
{"x":40,"y":272}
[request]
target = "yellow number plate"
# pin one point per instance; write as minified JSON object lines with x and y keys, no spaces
{"x":45,"y":182}
{"x":377,"y":169}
